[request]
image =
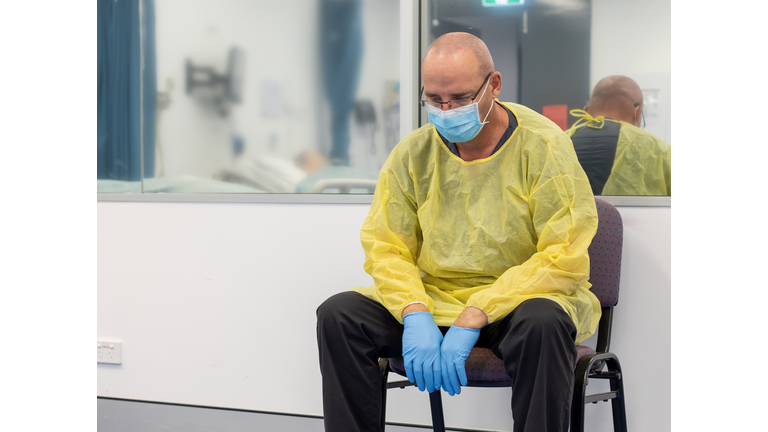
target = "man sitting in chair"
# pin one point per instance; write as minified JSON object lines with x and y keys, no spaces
{"x":477,"y":236}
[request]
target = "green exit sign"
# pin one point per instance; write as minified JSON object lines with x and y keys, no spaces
{"x":491,"y":3}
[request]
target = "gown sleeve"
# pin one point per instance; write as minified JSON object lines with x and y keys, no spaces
{"x":668,"y":170}
{"x":390,"y":237}
{"x":562,"y":208}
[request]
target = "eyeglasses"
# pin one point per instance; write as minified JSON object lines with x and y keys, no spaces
{"x":453,"y":102}
{"x":642,"y":114}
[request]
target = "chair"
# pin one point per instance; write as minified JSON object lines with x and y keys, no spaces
{"x":485,"y":369}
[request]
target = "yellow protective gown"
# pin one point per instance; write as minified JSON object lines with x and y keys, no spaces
{"x":642,"y":165}
{"x":490,"y":233}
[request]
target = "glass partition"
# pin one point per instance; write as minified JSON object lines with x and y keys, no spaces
{"x":303,"y":97}
{"x":552,"y":54}
{"x":244,"y":96}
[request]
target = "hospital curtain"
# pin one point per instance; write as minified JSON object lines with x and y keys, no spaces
{"x":341,"y":52}
{"x":119,"y":89}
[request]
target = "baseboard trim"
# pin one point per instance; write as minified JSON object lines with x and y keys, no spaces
{"x":411,"y":425}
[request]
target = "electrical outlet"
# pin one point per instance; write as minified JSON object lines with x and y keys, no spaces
{"x":109,"y":352}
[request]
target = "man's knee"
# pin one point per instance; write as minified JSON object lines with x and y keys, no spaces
{"x":544,"y":317}
{"x":330,"y":305}
{"x":336,"y":304}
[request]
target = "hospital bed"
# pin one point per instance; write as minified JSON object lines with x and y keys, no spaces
{"x":282,"y":176}
{"x":254,"y":175}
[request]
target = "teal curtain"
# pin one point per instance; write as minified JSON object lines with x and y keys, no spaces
{"x":119,"y":89}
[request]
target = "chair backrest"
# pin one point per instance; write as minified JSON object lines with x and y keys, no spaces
{"x":605,"y":254}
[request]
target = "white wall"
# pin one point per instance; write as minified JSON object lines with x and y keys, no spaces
{"x":633,"y":38}
{"x":215,"y":304}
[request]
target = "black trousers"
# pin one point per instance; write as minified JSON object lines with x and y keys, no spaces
{"x":535,"y":341}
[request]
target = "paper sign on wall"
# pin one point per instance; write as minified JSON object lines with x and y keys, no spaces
{"x":651,"y":105}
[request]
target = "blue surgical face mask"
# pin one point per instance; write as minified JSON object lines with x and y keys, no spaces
{"x":460,"y":124}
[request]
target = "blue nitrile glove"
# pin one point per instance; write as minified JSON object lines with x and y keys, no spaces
{"x":421,"y":350}
{"x":456,"y":346}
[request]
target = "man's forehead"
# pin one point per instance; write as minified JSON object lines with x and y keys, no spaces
{"x":462,"y":59}
{"x":452,"y":78}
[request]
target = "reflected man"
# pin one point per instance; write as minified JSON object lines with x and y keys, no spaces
{"x":477,"y":236}
{"x":618,"y":156}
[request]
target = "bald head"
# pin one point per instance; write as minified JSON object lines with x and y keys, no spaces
{"x":461,"y":45}
{"x":615,"y":97}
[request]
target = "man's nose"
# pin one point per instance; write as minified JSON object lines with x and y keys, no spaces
{"x":445,"y":107}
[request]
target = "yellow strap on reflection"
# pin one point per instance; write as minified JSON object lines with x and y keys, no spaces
{"x":585,"y":117}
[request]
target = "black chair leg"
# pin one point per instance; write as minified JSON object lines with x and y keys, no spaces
{"x":436,"y":405}
{"x":384,"y":370}
{"x":579,"y":393}
{"x":617,"y":404}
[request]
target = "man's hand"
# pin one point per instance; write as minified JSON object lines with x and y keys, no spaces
{"x":456,"y":346}
{"x":421,"y":350}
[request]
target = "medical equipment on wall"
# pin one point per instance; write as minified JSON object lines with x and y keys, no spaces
{"x":217,"y":90}
{"x":220,"y":91}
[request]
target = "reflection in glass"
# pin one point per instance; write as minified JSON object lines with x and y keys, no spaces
{"x":548,"y":52}
{"x":540,"y":48}
{"x":270,"y":97}
{"x":617,"y":154}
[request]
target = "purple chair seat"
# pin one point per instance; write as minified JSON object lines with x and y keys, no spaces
{"x":483,"y":365}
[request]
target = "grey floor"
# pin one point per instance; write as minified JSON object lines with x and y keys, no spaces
{"x":133,"y":416}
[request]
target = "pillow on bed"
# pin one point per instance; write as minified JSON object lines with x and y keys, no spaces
{"x":274,"y":174}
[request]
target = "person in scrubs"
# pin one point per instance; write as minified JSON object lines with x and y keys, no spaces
{"x":477,"y":236}
{"x":619,"y":157}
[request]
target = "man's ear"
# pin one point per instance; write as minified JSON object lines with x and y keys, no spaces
{"x":496,"y":81}
{"x":586,"y":108}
